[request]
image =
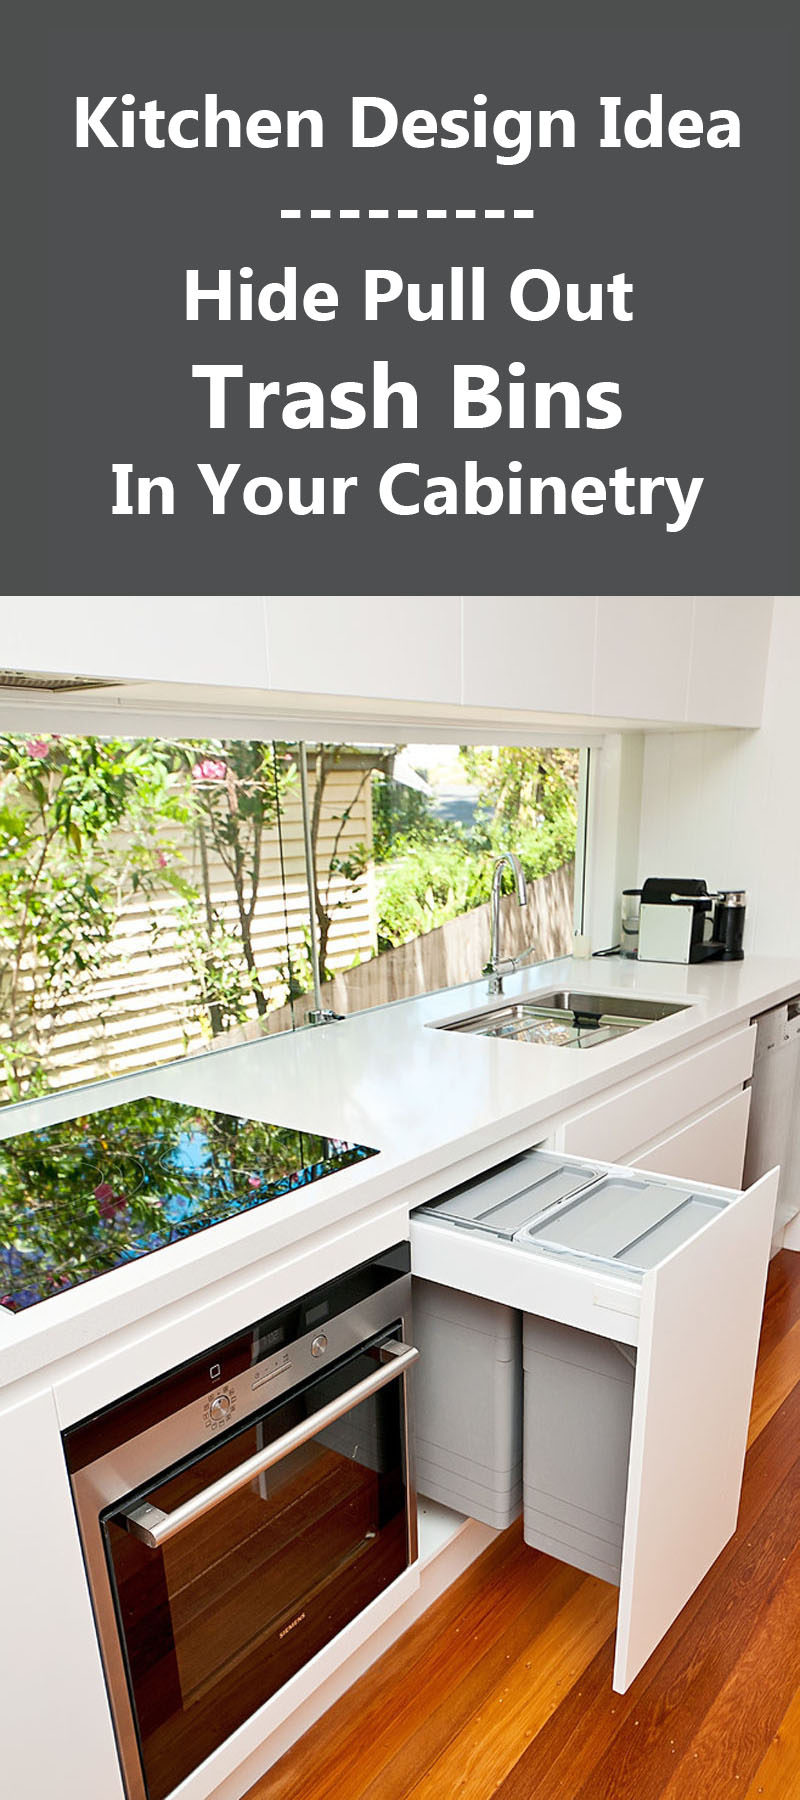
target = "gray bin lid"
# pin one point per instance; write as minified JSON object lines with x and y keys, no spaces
{"x":517,"y":1193}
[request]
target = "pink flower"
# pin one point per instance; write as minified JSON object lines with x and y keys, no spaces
{"x":38,"y":748}
{"x":161,"y":860}
{"x":109,"y":1204}
{"x":254,"y":1181}
{"x":210,"y":768}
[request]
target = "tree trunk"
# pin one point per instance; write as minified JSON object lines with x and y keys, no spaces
{"x":215,"y":1018}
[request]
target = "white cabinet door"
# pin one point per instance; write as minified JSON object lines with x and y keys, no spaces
{"x":57,"y":1736}
{"x":698,"y":1338}
{"x":709,"y":1148}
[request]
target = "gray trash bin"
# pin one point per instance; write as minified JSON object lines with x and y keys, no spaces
{"x":578,"y":1402}
{"x":468,"y":1403}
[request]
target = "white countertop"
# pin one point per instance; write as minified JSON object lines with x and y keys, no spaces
{"x":424,"y":1098}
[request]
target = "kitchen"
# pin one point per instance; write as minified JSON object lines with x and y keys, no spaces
{"x":697,"y":779}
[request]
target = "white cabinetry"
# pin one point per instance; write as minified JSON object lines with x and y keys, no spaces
{"x":531,"y":652}
{"x":708,"y":1148}
{"x":696,"y":1358}
{"x":408,"y":648}
{"x":647,"y":1117}
{"x":56,"y":1728}
{"x":639,"y":659}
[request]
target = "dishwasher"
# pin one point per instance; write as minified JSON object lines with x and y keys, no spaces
{"x":773,"y":1134}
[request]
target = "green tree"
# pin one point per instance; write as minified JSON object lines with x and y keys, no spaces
{"x":64,"y":873}
{"x":236,"y":792}
{"x":521,"y":786}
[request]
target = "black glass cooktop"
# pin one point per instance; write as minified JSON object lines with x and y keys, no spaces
{"x":92,"y":1193}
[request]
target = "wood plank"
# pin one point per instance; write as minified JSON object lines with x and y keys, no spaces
{"x":673,"y":1700}
{"x":778,"y":1774}
{"x":777,"y":1375}
{"x":477,"y":1759}
{"x":730,"y":1742}
{"x":449,"y":1711}
{"x":480,"y":1602}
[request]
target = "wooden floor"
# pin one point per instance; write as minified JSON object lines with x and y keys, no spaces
{"x":504,"y":1687}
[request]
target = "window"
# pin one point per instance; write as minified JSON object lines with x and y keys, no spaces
{"x":404,"y":841}
{"x":155,"y":897}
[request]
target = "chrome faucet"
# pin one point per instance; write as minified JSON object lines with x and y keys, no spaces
{"x":497,"y":967}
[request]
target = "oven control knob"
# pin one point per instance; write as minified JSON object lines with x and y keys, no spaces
{"x":220,"y":1407}
{"x":319,"y":1344}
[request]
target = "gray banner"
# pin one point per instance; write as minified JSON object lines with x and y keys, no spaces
{"x":659,"y":463}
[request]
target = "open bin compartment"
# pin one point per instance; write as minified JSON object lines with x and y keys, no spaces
{"x":625,"y":1220}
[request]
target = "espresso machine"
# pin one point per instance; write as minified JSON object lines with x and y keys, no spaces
{"x":681,"y":922}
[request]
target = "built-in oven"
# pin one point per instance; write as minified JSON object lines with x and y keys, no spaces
{"x":238,"y":1513}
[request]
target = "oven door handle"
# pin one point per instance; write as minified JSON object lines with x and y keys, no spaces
{"x":154,"y":1527}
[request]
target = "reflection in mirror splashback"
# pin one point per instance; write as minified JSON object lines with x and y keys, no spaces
{"x":89,"y":1194}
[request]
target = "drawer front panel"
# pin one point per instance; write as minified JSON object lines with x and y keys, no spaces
{"x":648,"y":1107}
{"x":710,"y":1148}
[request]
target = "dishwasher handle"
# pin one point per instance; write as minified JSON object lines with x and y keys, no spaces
{"x":154,"y":1527}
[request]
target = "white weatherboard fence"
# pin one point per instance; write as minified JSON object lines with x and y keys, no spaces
{"x":139,"y":1011}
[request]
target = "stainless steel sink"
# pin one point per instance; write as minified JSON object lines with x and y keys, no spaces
{"x":629,"y":1007}
{"x":565,"y":1018}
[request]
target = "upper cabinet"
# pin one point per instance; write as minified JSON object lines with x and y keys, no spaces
{"x":729,"y":660}
{"x":381,"y":648}
{"x":529,"y":653}
{"x":197,"y":639}
{"x":659,"y":659}
{"x":654,"y":660}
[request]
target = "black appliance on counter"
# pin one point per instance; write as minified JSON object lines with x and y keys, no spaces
{"x":239,"y":1512}
{"x":680,"y":921}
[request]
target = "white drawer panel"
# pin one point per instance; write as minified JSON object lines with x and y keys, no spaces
{"x":710,"y":1148}
{"x":648,"y":1108}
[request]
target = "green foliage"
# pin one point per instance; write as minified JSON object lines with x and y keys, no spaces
{"x":399,"y":812}
{"x":424,"y":885}
{"x":87,"y":823}
{"x":64,"y":873}
{"x":524,"y":786}
{"x":236,"y":790}
{"x":436,"y":870}
{"x":222,"y":987}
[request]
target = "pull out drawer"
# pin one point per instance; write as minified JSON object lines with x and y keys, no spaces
{"x":676,"y":1269}
{"x":563,"y":1237}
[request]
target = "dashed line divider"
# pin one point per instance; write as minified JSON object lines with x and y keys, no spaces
{"x":409,"y":212}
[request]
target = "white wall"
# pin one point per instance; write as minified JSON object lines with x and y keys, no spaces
{"x":724,"y":805}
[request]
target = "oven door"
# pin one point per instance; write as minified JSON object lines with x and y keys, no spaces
{"x":230,"y":1571}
